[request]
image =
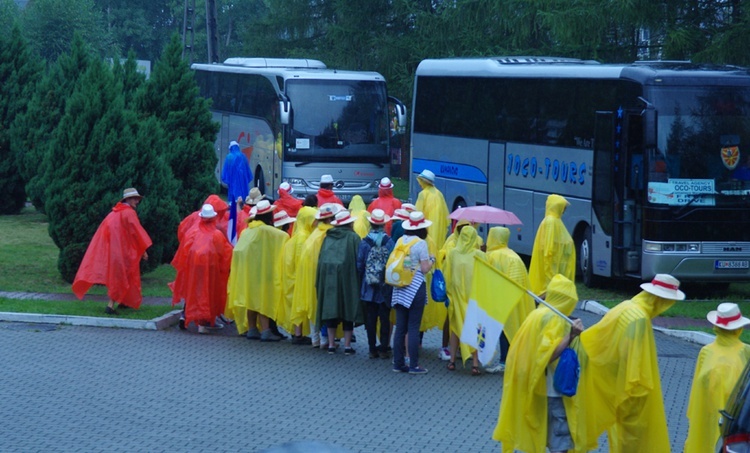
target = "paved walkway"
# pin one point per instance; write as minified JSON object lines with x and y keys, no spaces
{"x":71,"y":388}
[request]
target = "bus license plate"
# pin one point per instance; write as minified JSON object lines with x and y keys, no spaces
{"x":731,"y":264}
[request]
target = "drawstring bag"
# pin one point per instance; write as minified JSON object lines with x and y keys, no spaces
{"x":567,"y":373}
{"x":437,"y":287}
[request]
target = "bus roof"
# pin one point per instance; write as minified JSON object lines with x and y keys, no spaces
{"x":287,"y":69}
{"x":645,"y":72}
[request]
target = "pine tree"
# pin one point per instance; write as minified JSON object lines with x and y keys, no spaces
{"x":19,"y":72}
{"x":171,"y":95}
{"x":101,"y":148}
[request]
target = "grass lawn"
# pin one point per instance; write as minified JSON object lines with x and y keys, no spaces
{"x":79,"y":308}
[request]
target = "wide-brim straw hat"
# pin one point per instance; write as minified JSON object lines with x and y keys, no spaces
{"x":727,"y":316}
{"x":343,"y":218}
{"x":379,"y":217}
{"x":416,"y":221}
{"x":281,"y":218}
{"x":326,"y":211}
{"x":385,"y":183}
{"x":130,"y":192}
{"x":287,"y":187}
{"x":408,"y":207}
{"x":264,"y":207}
{"x":427,"y":175}
{"x":400,"y":214}
{"x":665,"y":286}
{"x":254,"y":196}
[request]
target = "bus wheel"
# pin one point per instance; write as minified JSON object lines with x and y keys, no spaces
{"x":459,"y":203}
{"x":585,"y":260}
{"x":260,"y":180}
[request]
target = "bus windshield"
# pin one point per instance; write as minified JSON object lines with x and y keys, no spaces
{"x":337,"y":121}
{"x":703,"y":146}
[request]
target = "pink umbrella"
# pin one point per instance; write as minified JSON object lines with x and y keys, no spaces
{"x":486,"y":214}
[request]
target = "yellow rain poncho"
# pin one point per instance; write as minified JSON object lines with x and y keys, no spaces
{"x":458,"y":272}
{"x":434,"y":313}
{"x":554,"y":251}
{"x":305,"y":301}
{"x":450,"y":243}
{"x":522,"y":422}
{"x":719,"y":366}
{"x":292,"y":253}
{"x":358,"y":209}
{"x":432,"y":204}
{"x":509,"y":263}
{"x":255,"y":275}
{"x":620,"y":377}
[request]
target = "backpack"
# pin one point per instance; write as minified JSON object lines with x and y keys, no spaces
{"x":568,"y":369}
{"x":399,"y":271}
{"x":375,"y":262}
{"x":437,"y":287}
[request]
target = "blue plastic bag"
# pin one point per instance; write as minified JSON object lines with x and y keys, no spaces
{"x":437,"y":288}
{"x":567,"y":373}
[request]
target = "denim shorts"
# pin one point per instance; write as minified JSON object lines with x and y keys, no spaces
{"x":558,"y":432}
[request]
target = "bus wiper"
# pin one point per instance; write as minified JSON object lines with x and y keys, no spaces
{"x":302,"y":164}
{"x":694,"y":198}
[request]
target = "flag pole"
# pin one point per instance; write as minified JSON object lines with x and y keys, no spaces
{"x":554,"y":310}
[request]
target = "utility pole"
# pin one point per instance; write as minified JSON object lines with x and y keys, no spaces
{"x":211,"y":34}
{"x":188,"y":30}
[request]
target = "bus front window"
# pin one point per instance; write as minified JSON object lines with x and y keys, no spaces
{"x":703,"y":146}
{"x":337,"y":120}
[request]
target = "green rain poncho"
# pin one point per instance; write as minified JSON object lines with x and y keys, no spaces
{"x":554,"y":251}
{"x":522,"y":422}
{"x":337,"y":282}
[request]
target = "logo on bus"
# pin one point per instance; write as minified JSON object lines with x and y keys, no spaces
{"x":549,"y":169}
{"x":732,"y":249}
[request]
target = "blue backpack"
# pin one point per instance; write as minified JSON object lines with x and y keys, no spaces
{"x":437,"y":287}
{"x":567,"y":372}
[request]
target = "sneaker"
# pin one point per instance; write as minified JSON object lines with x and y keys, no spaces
{"x":323,"y":342}
{"x":268,"y":335}
{"x":332,"y":350}
{"x":400,"y":369}
{"x":204,"y":329}
{"x":300,"y":340}
{"x":315,"y":344}
{"x":110,"y":311}
{"x":354,"y":338}
{"x":349,"y":351}
{"x":444,"y":354}
{"x":374,"y":354}
{"x":418,"y":370}
{"x":182,"y":323}
{"x":224,"y":320}
{"x":253,"y":334}
{"x":218,"y":324}
{"x":499,"y":368}
{"x":278,"y":334}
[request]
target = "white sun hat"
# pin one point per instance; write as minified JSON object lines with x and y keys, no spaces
{"x":130,"y":193}
{"x":287,"y":187}
{"x":281,"y":218}
{"x":416,"y":221}
{"x":727,"y":316}
{"x":386,"y":183}
{"x":666,"y":286}
{"x":379,"y":217}
{"x":343,"y":217}
{"x":207,"y":212}
{"x":427,"y":175}
{"x":326,"y":179}
{"x":264,"y":207}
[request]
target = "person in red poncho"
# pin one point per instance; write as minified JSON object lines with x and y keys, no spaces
{"x":202,"y":264}
{"x":385,"y":201}
{"x":113,"y":256}
{"x":286,"y":202}
{"x":325,"y":192}
{"x":221,"y":209}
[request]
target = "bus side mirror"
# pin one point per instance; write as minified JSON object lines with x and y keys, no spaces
{"x":400,"y":110}
{"x":285,"y":109}
{"x":649,"y":124}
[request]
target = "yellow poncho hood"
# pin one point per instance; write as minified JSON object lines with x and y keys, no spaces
{"x":432,"y":204}
{"x":458,"y":272}
{"x":292,"y":252}
{"x":717,"y":369}
{"x":554,"y":250}
{"x":358,"y":209}
{"x":509,"y":263}
{"x":522,"y":421}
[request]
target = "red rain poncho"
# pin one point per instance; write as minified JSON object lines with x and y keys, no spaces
{"x":327,"y":196}
{"x":113,"y":257}
{"x":387,"y":202}
{"x":192,"y":220}
{"x":202,"y":264}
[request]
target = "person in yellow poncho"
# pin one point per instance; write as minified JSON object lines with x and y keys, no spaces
{"x":719,"y":366}
{"x":620,"y":374}
{"x":509,"y":263}
{"x":292,"y":253}
{"x":533,"y":415}
{"x":554,"y":251}
{"x":431,"y":203}
{"x":358,"y":209}
{"x":305,"y":300}
{"x":458,"y":272}
{"x":254,"y":289}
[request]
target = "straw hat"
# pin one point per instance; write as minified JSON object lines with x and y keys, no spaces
{"x":207,"y":212}
{"x":344,"y":217}
{"x":666,"y":286}
{"x":281,"y":218}
{"x":416,"y":221}
{"x":130,"y":193}
{"x":401,"y":214}
{"x":427,"y":175}
{"x":254,"y":196}
{"x":727,"y":316}
{"x":264,"y":207}
{"x":385,"y":183}
{"x":408,"y":207}
{"x":286,"y":187}
{"x":379,"y":217}
{"x":326,"y":211}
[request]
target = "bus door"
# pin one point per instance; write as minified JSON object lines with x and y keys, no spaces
{"x":600,"y":250}
{"x":618,"y":185}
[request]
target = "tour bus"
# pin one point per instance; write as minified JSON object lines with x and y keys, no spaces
{"x":296,"y":120}
{"x":653,"y":157}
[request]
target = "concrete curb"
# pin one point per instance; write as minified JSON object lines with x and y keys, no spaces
{"x":159,"y":323}
{"x":702,"y":338}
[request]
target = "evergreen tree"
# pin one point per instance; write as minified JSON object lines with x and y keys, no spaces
{"x":32,"y":129}
{"x":127,"y":74}
{"x":101,"y":149}
{"x":171,"y":95}
{"x":19,"y":72}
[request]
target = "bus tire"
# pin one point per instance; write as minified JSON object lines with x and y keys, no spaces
{"x":260,"y":180}
{"x":585,"y":259}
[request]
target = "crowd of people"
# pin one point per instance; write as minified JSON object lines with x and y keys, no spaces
{"x":317,"y":269}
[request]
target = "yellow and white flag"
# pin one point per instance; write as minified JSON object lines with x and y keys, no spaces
{"x":493,"y":298}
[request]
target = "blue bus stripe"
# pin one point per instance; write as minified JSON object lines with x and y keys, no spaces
{"x":449,"y":170}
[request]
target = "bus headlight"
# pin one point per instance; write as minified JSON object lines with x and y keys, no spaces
{"x":295,"y":181}
{"x":685,"y":247}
